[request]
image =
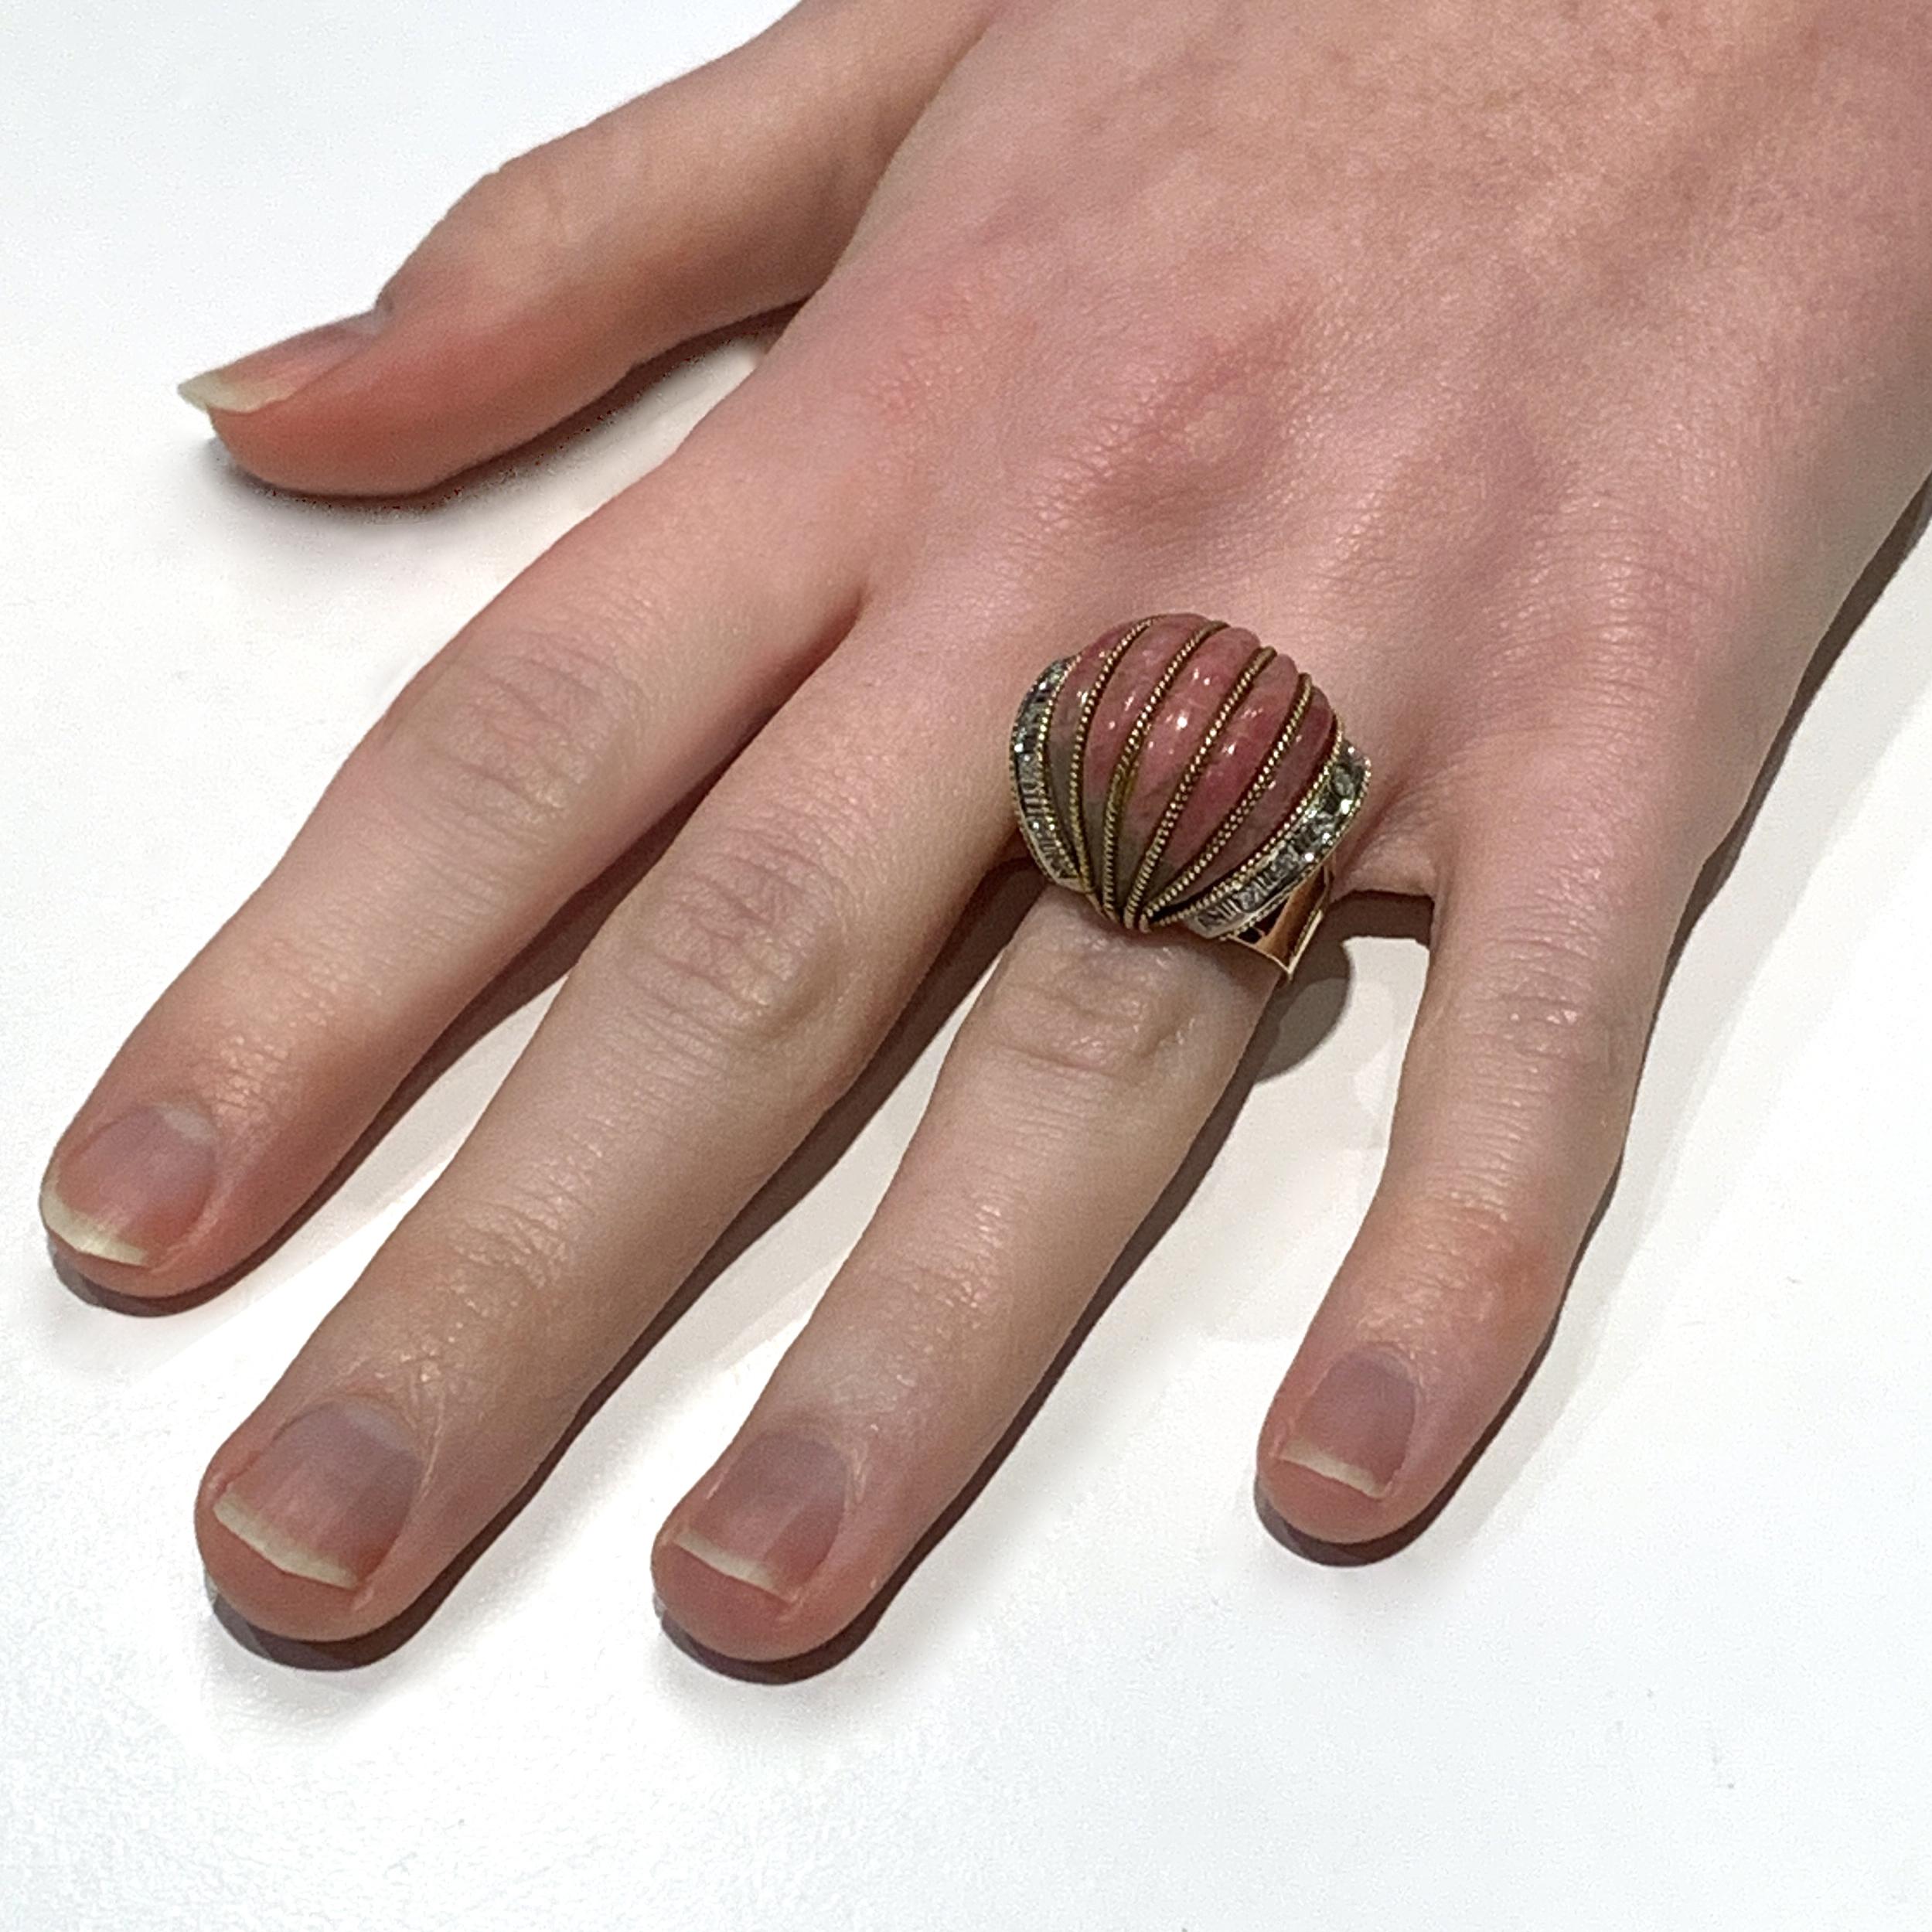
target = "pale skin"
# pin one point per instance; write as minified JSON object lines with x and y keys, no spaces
{"x":1540,"y":374}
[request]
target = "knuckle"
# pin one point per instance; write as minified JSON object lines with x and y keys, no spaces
{"x":946,"y":310}
{"x":534,"y":200}
{"x":1654,"y":613}
{"x":1092,"y":1013}
{"x":520,"y":1247}
{"x":1622,"y":595}
{"x":509,"y":736}
{"x":944,"y":1312}
{"x":743,"y":945}
{"x":279,"y":998}
{"x":1179,"y":421}
{"x":1490,"y":1261}
{"x":1177,"y":412}
{"x":293,"y":986}
{"x":1544,"y":999}
{"x":1632,"y":616}
{"x":1663,"y":671}
{"x":948,"y":1324}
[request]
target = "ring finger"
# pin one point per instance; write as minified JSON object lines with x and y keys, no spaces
{"x":1068,"y":1100}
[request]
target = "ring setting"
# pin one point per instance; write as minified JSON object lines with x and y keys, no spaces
{"x":1178,"y":771}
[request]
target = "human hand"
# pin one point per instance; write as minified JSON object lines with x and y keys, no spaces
{"x":1540,"y":381}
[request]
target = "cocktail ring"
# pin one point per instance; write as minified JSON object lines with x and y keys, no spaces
{"x":1179,"y":772}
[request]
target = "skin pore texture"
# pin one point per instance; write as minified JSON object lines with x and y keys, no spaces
{"x":1539,"y":374}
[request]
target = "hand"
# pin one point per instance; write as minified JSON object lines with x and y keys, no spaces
{"x":1539,"y":376}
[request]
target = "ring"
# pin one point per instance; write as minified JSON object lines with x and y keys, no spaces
{"x":1177,"y":771}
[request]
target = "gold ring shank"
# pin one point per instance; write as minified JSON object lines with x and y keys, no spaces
{"x":1285,"y":937}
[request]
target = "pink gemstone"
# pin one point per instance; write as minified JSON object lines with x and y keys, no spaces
{"x":1178,"y":730}
{"x":1063,"y":727}
{"x":1128,"y":688}
{"x":1237,"y":756}
{"x":1134,"y":681}
{"x":1189,"y":692}
{"x":1175,"y":745}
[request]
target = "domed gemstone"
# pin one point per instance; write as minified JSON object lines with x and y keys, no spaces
{"x":1177,"y":748}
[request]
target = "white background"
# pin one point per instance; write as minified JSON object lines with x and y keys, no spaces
{"x":1662,"y":1661}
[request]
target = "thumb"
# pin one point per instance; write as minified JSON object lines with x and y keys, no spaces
{"x":724,"y":193}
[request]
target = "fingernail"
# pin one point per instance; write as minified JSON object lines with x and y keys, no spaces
{"x":134,"y":1187}
{"x":1354,"y":1428}
{"x":771,"y":1520}
{"x":329,"y":1494}
{"x":273,"y":374}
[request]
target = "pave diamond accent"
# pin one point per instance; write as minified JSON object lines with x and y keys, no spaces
{"x":1032,"y":789}
{"x":1248,"y":896}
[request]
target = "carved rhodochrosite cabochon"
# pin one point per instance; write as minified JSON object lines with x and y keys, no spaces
{"x":1179,"y":770}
